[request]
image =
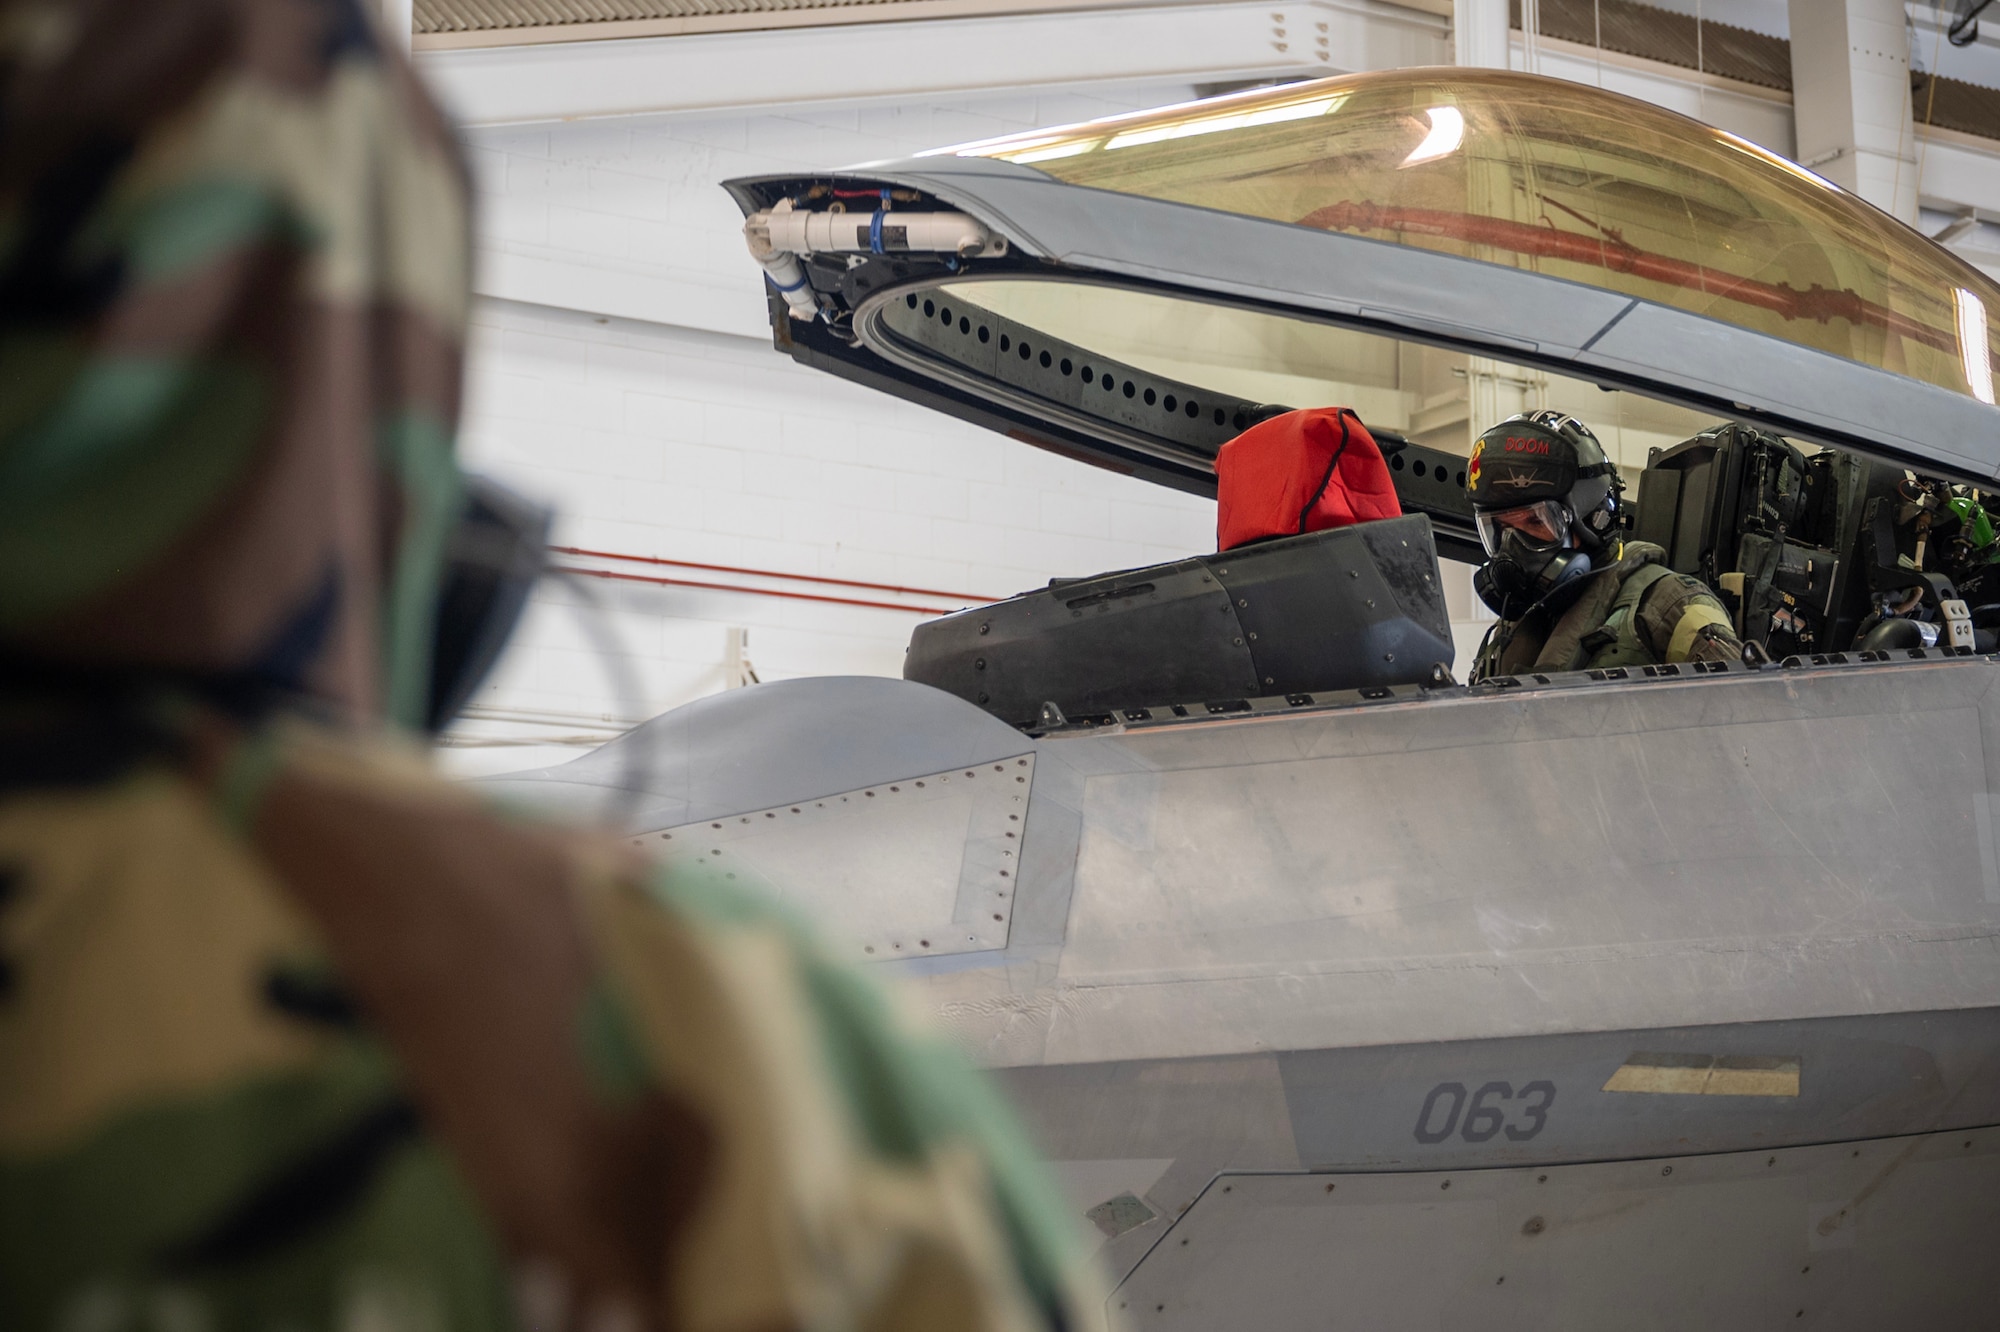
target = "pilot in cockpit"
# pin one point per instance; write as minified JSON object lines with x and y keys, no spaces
{"x":1571,"y":592}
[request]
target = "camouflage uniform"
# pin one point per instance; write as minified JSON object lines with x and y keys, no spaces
{"x":293,"y":1034}
{"x":1664,"y":617}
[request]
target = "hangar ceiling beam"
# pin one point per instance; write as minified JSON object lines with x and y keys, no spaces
{"x":1851,"y":99}
{"x":953,"y":58}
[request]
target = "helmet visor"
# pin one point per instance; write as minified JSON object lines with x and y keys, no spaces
{"x":1543,"y":525}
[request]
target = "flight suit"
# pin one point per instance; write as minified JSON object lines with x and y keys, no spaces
{"x":295,"y":1035}
{"x":1636,"y":612}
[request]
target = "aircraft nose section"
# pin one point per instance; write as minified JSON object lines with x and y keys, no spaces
{"x":767,"y":745}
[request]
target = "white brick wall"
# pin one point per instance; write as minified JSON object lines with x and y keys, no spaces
{"x":699,"y":446}
{"x":683,"y":435}
{"x":694,"y":445}
{"x":626,"y":217}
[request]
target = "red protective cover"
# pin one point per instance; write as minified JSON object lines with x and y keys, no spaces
{"x":1301,"y":472}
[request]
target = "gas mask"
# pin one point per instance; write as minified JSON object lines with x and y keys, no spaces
{"x":495,"y":554}
{"x":1532,"y":558}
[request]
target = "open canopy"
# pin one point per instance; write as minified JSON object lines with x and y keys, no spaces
{"x":1244,"y":249}
{"x":1562,"y":180}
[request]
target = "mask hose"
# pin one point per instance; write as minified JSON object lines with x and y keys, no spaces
{"x":1513,"y":624}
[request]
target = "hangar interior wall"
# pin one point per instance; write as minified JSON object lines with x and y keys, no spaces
{"x":694,"y":442}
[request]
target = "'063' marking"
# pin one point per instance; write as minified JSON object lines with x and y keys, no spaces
{"x":1482,"y":1118}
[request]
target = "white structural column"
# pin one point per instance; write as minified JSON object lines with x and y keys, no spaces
{"x":1480,"y":38}
{"x":1479,"y":33}
{"x":399,"y":17}
{"x":1851,"y":98}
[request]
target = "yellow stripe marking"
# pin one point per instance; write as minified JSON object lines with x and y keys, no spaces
{"x":1693,"y":620}
{"x":1708,"y":1075}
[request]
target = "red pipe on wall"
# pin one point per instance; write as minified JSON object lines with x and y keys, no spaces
{"x":753,"y":591}
{"x":768,"y":573}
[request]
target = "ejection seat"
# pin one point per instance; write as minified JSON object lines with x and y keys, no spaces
{"x":1319,"y":585}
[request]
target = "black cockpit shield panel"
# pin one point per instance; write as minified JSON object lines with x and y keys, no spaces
{"x":1350,"y":608}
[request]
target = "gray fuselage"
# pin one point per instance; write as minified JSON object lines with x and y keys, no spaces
{"x":1638,"y":1002}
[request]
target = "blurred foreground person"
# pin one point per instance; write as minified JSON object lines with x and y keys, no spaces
{"x":293,"y":1034}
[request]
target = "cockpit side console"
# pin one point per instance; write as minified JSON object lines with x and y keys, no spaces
{"x":1764,"y":525}
{"x":1825,"y":552}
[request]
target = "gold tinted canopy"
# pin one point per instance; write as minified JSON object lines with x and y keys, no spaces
{"x":1561,"y":179}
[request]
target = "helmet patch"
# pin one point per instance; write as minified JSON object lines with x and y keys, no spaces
{"x":1521,"y":460}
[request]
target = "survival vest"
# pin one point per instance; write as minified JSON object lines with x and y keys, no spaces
{"x":1617,"y":642}
{"x":1600,"y":630}
{"x":1301,"y":472}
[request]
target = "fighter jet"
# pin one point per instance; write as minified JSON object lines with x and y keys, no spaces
{"x":1338,"y":992}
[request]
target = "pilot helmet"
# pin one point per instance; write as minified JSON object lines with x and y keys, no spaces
{"x":1546,"y":501}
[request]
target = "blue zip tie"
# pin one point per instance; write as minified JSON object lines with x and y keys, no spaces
{"x":781,"y":286}
{"x":875,"y":231}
